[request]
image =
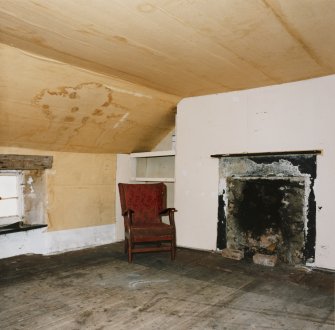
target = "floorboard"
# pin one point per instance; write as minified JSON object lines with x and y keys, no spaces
{"x":97,"y":289}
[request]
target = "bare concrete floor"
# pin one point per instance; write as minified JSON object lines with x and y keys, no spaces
{"x":97,"y":289}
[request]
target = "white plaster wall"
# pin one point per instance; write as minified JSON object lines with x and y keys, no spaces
{"x":294,"y":116}
{"x":40,"y":241}
{"x":123,"y":175}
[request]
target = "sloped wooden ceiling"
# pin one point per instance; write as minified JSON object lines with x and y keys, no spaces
{"x":106,"y":75}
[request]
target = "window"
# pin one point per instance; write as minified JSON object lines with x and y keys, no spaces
{"x":10,"y":197}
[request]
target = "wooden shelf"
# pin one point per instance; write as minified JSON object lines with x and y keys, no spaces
{"x":153,"y":154}
{"x":153,"y":166}
{"x":153,"y":179}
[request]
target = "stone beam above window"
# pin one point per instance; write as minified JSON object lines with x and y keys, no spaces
{"x":25,"y":162}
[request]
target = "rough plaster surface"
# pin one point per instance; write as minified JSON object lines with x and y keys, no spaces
{"x":80,"y":189}
{"x":34,"y":196}
{"x":295,"y":116}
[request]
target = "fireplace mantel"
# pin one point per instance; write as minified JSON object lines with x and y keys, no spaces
{"x":271,"y":153}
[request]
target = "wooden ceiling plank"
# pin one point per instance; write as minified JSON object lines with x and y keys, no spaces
{"x":254,"y":33}
{"x":57,"y":109}
{"x":110,"y":50}
{"x":208,"y":76}
{"x":313,"y":27}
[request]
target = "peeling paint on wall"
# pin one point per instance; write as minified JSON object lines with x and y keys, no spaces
{"x":34,"y":196}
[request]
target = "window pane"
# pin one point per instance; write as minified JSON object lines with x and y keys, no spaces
{"x":9,"y":203}
{"x":8,"y":207}
{"x":8,"y":186}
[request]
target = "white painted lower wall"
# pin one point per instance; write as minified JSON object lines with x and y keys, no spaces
{"x":287,"y":117}
{"x":123,"y":175}
{"x":41,"y":241}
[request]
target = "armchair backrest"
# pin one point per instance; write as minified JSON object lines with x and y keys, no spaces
{"x":146,"y":200}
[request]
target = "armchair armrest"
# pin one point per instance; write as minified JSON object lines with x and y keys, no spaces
{"x":127,"y":212}
{"x":170,"y":212}
{"x":167,"y":211}
{"x":128,"y":217}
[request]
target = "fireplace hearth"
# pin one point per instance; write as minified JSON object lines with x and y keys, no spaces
{"x":267,"y":205}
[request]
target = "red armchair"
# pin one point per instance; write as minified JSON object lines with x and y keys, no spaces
{"x":143,"y":206}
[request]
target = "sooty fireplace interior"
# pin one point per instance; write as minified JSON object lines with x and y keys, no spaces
{"x":267,"y":204}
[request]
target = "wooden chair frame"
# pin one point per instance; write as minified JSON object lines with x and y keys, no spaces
{"x":161,"y":236}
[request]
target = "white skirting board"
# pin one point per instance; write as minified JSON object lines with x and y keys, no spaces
{"x":41,"y":241}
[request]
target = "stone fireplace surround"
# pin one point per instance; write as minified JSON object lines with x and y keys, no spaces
{"x":266,"y":204}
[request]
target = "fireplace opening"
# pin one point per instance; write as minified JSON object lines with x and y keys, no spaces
{"x":267,"y":206}
{"x":267,"y":216}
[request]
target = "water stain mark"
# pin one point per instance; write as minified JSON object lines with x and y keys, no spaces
{"x":97,"y":112}
{"x":48,"y":113}
{"x":85,"y":120}
{"x":69,"y":119}
{"x":38,"y":40}
{"x":88,"y":103}
{"x":86,"y":91}
{"x":73,"y":95}
{"x":109,"y":100}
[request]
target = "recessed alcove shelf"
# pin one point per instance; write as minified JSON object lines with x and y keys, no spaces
{"x":153,"y":166}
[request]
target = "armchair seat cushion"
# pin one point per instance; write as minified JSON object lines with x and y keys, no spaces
{"x":156,"y":230}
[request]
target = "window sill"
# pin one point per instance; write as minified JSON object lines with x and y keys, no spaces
{"x":18,"y":226}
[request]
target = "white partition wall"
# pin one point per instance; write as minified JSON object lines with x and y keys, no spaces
{"x":288,"y":117}
{"x":123,"y":174}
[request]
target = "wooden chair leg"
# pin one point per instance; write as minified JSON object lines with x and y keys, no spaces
{"x":125,"y":245}
{"x":173,"y":249}
{"x":130,"y":256}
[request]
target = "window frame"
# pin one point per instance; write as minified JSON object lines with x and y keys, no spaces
{"x":6,"y":220}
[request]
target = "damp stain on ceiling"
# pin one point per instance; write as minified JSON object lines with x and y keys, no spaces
{"x":105,"y":76}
